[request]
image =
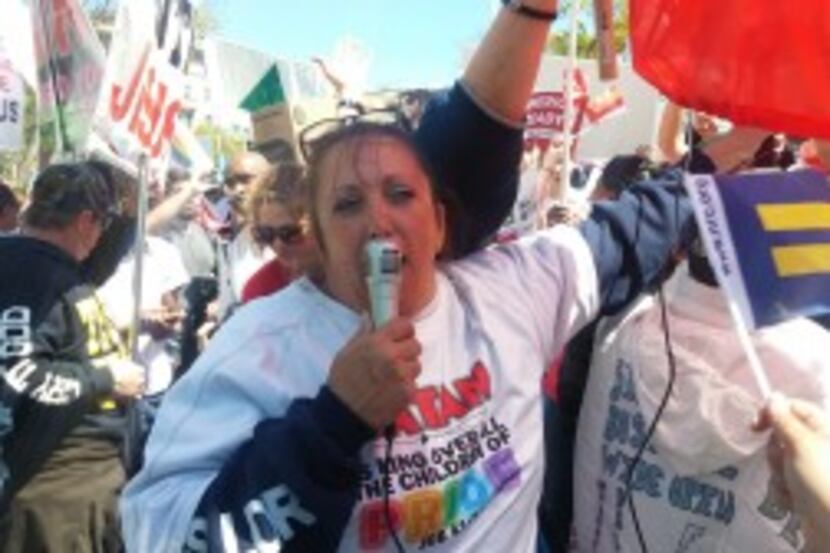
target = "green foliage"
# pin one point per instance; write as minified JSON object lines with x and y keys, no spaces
{"x":100,"y":11}
{"x":18,"y":168}
{"x":205,"y":22}
{"x":586,"y":43}
{"x":224,"y":143}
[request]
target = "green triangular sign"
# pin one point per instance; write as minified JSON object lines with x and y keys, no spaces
{"x":267,"y":92}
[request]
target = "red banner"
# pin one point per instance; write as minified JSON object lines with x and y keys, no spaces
{"x":754,"y":63}
{"x":545,"y":116}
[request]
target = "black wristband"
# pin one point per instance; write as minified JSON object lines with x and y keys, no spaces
{"x":519,"y":8}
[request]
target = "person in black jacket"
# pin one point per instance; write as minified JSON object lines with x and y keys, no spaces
{"x":49,"y":379}
{"x":9,"y":209}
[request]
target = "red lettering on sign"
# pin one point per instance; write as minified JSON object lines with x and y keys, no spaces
{"x":148,"y":111}
{"x":150,"y":105}
{"x":120,"y":103}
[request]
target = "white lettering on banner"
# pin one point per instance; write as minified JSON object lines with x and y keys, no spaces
{"x":713,"y":225}
{"x":545,"y":115}
{"x":717,"y":237}
{"x":552,"y":100}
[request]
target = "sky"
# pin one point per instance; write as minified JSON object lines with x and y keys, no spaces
{"x":416,"y":43}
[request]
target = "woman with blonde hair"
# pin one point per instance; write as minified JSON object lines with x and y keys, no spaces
{"x":277,"y":210}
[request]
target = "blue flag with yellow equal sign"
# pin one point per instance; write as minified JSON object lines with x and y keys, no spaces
{"x":768,"y":239}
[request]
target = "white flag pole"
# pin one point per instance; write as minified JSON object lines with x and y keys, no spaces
{"x":749,"y":348}
{"x":138,"y":252}
{"x":567,"y":136}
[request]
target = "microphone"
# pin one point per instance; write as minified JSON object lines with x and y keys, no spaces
{"x":383,"y":279}
{"x":604,"y":18}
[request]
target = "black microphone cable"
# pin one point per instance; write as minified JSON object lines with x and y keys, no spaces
{"x":653,"y":427}
{"x":664,"y":323}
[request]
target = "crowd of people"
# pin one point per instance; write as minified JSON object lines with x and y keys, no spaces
{"x":577,"y":388}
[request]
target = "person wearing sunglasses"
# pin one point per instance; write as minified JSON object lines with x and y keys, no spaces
{"x":472,"y":139}
{"x":422,"y":433}
{"x":237,"y":254}
{"x":278,"y":217}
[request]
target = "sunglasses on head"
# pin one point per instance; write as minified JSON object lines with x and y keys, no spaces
{"x":287,"y":234}
{"x":311,"y":135}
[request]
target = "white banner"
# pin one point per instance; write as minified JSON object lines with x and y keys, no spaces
{"x":12,"y":105}
{"x":70,"y":66}
{"x":16,"y":31}
{"x":144,"y":82}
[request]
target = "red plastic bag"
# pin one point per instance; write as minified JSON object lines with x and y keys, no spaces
{"x":757,"y":63}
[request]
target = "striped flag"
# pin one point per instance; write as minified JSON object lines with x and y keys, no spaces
{"x":768,"y":238}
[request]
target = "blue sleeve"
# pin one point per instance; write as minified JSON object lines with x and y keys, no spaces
{"x":823,"y":320}
{"x":634,"y":238}
{"x":292,"y":486}
{"x":475,"y":160}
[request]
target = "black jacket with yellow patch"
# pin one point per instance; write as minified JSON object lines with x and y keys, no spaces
{"x":49,"y":381}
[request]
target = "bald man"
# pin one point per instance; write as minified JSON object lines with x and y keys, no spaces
{"x":216,"y":246}
{"x":243,"y":170}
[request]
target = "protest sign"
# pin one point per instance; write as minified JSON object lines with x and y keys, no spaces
{"x":144,"y":83}
{"x":12,"y":103}
{"x":545,"y":116}
{"x":70,"y":64}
